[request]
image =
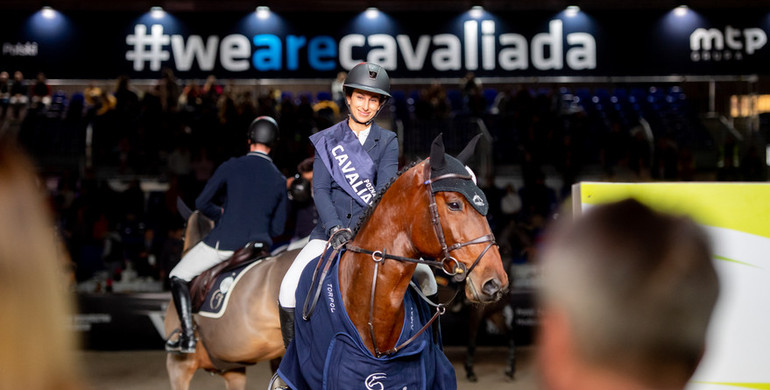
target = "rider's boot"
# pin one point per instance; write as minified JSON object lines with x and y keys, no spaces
{"x":185,"y":343}
{"x":286,"y":315}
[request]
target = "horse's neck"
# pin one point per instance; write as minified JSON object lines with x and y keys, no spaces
{"x":386,"y":230}
{"x":387,"y":309}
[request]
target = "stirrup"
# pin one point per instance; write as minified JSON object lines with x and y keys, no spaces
{"x":181,"y":346}
{"x":173,"y":345}
{"x":276,"y":383}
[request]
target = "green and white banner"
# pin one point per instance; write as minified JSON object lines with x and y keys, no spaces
{"x":737,"y":218}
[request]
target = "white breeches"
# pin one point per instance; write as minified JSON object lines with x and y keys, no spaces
{"x":198,"y":259}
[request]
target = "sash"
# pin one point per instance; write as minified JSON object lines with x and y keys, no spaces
{"x":347,"y":161}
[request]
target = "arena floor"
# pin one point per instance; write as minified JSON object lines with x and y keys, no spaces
{"x":145,"y":370}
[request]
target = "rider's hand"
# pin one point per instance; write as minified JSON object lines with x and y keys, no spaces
{"x":339,"y":236}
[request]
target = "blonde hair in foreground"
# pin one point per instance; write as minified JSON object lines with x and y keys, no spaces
{"x":37,"y":342}
{"x":637,"y":288}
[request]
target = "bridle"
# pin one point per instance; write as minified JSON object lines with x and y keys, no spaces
{"x":451,"y":266}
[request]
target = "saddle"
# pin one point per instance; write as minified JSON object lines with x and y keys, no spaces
{"x":202,"y":283}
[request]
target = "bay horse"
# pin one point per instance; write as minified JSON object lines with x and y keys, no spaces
{"x":427,"y":212}
{"x":248,"y":332}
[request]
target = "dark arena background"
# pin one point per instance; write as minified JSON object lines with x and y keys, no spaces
{"x":128,"y":105}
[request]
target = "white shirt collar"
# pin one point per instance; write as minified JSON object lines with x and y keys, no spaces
{"x":260,"y":154}
{"x":363,"y":134}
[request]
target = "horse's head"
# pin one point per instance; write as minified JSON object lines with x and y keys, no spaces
{"x":458,"y":231}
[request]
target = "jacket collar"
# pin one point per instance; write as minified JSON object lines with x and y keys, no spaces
{"x":374,"y":137}
{"x":260,"y":154}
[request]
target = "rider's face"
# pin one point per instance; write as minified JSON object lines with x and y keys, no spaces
{"x":364,"y":105}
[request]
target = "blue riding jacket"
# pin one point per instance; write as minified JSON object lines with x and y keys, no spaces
{"x":335,"y":206}
{"x":254,"y":206}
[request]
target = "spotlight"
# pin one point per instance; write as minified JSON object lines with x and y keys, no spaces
{"x":681,"y":10}
{"x":571,"y":11}
{"x":476,"y":11}
{"x":157,"y":12}
{"x":372,"y":13}
{"x":48,"y":12}
{"x":263,"y":12}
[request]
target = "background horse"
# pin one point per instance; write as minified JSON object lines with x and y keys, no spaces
{"x":503,"y":322}
{"x":410,"y":223}
{"x":249,"y":330}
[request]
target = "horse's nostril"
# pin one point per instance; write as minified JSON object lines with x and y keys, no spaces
{"x":491,"y":287}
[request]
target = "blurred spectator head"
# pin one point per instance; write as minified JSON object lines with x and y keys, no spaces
{"x":38,"y":344}
{"x":626,"y":297}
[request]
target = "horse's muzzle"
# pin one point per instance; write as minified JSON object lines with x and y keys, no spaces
{"x":492,"y":288}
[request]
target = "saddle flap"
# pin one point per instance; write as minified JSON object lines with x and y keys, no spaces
{"x":202,"y":283}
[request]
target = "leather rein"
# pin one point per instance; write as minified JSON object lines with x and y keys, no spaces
{"x":451,"y":266}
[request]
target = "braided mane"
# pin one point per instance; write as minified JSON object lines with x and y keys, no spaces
{"x":377,"y":198}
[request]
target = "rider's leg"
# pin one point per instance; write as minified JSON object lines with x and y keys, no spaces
{"x":286,"y":316}
{"x":286,"y":298}
{"x":186,"y":341}
{"x":198,"y":259}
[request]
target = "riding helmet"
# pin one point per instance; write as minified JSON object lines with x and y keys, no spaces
{"x":263,"y":130}
{"x":368,"y":77}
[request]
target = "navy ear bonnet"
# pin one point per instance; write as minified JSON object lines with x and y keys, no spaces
{"x":467,"y":187}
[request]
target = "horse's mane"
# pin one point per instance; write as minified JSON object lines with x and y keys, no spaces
{"x":367,"y":213}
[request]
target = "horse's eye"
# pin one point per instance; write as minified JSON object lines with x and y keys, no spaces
{"x":455,"y":206}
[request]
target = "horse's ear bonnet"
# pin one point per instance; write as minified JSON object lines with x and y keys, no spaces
{"x":442,"y":164}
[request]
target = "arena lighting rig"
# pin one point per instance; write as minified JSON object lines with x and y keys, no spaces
{"x":157,"y":12}
{"x":263,"y":12}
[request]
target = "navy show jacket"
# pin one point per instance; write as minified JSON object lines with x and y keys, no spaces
{"x":255,"y":202}
{"x":335,"y":206}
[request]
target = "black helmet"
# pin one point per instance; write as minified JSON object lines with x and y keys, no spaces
{"x":368,"y":77}
{"x":263,"y":130}
{"x":300,"y":190}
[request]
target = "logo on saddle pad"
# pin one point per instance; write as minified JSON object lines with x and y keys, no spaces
{"x":215,"y":304}
{"x":218,"y":296}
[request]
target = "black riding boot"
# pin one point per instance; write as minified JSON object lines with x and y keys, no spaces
{"x":185,"y":343}
{"x":286,"y":315}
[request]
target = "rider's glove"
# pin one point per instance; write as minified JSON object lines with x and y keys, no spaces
{"x":339,"y":236}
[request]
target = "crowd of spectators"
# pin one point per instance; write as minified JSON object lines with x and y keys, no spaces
{"x":100,"y":146}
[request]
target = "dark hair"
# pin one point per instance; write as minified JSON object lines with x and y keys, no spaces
{"x":305,"y":166}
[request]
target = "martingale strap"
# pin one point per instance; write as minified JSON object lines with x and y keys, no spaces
{"x":379,"y":255}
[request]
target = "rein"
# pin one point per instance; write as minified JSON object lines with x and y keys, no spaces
{"x":457,"y":271}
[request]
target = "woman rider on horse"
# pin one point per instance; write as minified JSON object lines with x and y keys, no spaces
{"x":354,"y":159}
